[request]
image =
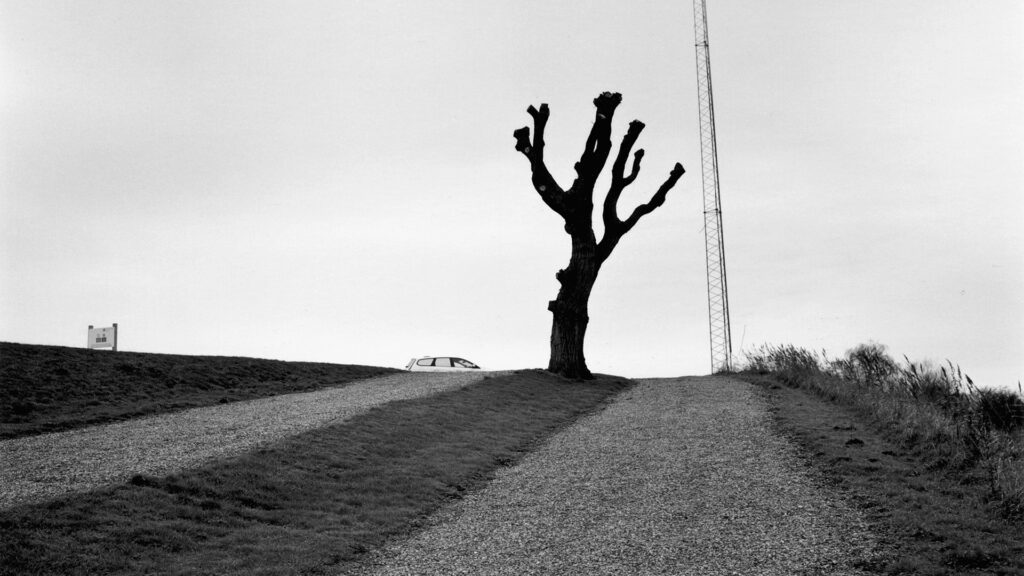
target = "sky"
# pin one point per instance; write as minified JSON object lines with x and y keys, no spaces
{"x":337,"y":181}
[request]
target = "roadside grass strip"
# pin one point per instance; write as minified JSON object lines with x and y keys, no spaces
{"x":974,"y":434}
{"x":938,"y":520}
{"x":307,"y":505}
{"x":53,"y":388}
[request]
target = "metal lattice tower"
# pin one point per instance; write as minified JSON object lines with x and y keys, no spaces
{"x":718,"y":293}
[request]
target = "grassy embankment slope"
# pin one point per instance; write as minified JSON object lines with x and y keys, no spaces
{"x":51,"y":388}
{"x":312,"y":504}
{"x":936,"y":465}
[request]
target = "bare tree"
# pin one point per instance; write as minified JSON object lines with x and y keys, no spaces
{"x":576,"y":207}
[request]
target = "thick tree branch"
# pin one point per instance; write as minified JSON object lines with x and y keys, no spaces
{"x":543,"y":181}
{"x":619,"y":180}
{"x":599,"y":144}
{"x":657,"y":200}
{"x":637,"y":157}
{"x":615,"y":229}
{"x":540,"y":118}
{"x":635,"y":127}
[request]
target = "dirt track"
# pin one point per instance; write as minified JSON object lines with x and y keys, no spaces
{"x":677,"y":476}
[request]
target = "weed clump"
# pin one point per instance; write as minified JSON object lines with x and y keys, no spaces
{"x":1001,"y":409}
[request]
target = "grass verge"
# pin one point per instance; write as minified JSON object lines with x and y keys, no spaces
{"x":51,"y":388}
{"x":941,"y":414}
{"x":307,"y":505}
{"x":935,"y":467}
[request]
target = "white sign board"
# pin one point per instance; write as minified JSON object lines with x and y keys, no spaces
{"x":103,"y":337}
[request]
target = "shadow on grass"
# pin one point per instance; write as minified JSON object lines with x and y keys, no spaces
{"x":309,"y":504}
{"x":52,"y":388}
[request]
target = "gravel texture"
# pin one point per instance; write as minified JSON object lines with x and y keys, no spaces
{"x":677,"y":476}
{"x":39,"y":468}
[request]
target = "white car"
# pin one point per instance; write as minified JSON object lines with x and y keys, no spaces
{"x":440,"y":364}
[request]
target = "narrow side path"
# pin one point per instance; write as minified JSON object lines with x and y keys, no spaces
{"x":39,"y":468}
{"x":677,"y":476}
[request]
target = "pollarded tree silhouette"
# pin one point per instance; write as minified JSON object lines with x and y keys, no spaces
{"x":576,"y":207}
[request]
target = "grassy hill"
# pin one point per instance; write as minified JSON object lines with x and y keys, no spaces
{"x":51,"y":388}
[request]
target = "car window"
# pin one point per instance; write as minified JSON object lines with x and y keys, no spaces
{"x":443,"y":363}
{"x":425,"y":362}
{"x":463,"y":363}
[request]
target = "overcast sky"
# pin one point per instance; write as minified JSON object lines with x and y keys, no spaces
{"x":337,"y":181}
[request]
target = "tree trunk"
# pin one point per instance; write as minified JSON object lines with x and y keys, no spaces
{"x":569,"y":309}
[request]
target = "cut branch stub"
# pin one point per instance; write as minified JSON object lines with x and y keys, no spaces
{"x":540,"y":115}
{"x":522,"y":137}
{"x":599,"y":144}
{"x":607,"y":102}
{"x":540,"y":119}
{"x":619,"y":167}
{"x":619,"y":180}
{"x":543,"y":181}
{"x":564,"y":276}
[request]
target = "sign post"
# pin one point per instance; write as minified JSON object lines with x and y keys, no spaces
{"x":103,"y":337}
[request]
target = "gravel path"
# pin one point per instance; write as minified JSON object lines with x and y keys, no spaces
{"x":40,"y":468}
{"x":677,"y":476}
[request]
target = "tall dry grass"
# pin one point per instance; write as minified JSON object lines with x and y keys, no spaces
{"x":937,"y":410}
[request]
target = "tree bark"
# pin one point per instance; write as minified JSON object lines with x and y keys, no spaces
{"x":570,"y":310}
{"x":576,"y":207}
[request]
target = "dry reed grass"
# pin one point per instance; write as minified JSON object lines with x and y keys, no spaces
{"x":938,"y":411}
